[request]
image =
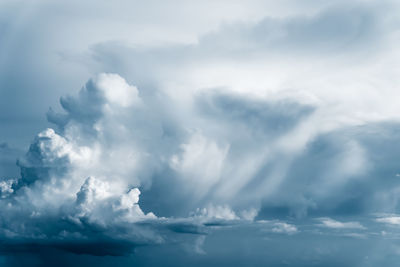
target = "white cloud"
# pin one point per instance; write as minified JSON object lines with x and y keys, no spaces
{"x":278,"y":227}
{"x":330,"y":223}
{"x":200,"y":163}
{"x":116,"y":90}
{"x":97,"y":203}
{"x":6,"y":188}
{"x":216,"y":213}
{"x":83,"y":174}
{"x":392,"y":220}
{"x":284,"y":228}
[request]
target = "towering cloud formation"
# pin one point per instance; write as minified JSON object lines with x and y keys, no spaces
{"x":223,"y":159}
{"x":260,"y":124}
{"x":79,"y":183}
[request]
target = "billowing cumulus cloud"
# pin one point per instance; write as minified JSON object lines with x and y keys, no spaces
{"x":59,"y":183}
{"x":79,"y":183}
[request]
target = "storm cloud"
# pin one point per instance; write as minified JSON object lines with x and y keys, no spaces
{"x":202,"y":133}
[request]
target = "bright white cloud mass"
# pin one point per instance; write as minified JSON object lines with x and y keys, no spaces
{"x":199,"y":133}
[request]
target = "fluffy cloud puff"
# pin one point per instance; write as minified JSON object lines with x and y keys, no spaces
{"x":66,"y":189}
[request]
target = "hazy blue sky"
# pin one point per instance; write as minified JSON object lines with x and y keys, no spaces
{"x":199,"y":133}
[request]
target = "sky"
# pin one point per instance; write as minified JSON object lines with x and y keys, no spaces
{"x":199,"y":133}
